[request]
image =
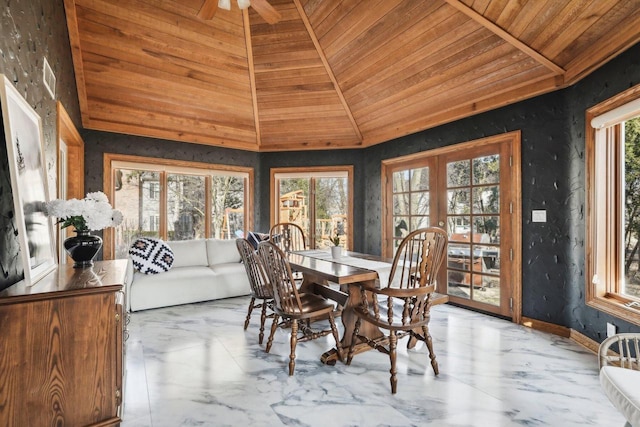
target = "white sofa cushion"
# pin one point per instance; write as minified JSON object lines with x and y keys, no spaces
{"x":181,"y":285}
{"x":622,"y":387}
{"x":189,"y":253}
{"x":222,"y":251}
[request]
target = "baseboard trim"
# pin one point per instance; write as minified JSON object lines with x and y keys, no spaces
{"x":562,"y":331}
{"x":584,"y":341}
{"x":551,"y":328}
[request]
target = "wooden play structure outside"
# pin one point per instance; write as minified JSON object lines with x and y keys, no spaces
{"x":293,"y":208}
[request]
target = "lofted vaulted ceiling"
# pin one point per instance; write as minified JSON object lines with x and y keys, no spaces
{"x":330,"y":73}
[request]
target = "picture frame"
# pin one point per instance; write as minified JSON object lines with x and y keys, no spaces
{"x":25,"y":150}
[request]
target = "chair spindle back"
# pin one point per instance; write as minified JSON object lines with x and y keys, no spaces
{"x":288,"y":236}
{"x":279,"y":274}
{"x":255,"y":270}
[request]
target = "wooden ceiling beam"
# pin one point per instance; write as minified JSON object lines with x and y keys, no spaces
{"x":268,"y":12}
{"x":252,"y":74}
{"x":208,"y":9}
{"x":457,"y":4}
{"x":323,"y":58}
{"x":76,"y":55}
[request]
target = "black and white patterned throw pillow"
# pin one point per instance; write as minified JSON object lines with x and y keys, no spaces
{"x":151,"y":256}
{"x":254,"y":238}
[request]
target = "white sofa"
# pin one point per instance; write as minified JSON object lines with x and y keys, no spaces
{"x":204,"y":269}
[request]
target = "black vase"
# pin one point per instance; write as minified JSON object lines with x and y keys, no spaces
{"x":83,"y":248}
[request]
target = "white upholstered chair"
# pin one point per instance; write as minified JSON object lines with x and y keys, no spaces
{"x":619,"y":357}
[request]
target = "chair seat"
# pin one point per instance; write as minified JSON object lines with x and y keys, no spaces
{"x":383,"y":320}
{"x":312,"y":306}
{"x":622,"y":387}
{"x":262,"y":292}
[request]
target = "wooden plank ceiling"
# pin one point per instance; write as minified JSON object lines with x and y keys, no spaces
{"x":330,"y":73}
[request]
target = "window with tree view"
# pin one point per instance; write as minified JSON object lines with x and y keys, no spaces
{"x":631,"y":241}
{"x":613,"y":262}
{"x":178,"y":203}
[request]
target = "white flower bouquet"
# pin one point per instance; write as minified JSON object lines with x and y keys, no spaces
{"x":94,"y":212}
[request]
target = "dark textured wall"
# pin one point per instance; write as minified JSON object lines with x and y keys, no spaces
{"x":29,"y":31}
{"x":546,"y":155}
{"x":619,"y":75}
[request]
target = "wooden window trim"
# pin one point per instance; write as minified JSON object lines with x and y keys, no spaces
{"x":109,"y":179}
{"x":604,"y":295}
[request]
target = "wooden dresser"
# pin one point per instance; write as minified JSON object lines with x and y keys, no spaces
{"x":62,"y":348}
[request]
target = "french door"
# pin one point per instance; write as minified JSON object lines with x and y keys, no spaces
{"x":472,"y":190}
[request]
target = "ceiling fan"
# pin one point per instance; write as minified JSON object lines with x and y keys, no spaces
{"x":264,"y":9}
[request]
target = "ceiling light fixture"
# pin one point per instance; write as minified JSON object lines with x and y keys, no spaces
{"x":226,"y":4}
{"x":262,"y":7}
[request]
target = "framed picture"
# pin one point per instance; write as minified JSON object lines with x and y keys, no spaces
{"x":25,"y":150}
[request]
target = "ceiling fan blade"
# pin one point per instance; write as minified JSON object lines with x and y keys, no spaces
{"x":268,"y":12}
{"x":208,"y":9}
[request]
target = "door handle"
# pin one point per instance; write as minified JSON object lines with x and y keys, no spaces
{"x":440,"y":223}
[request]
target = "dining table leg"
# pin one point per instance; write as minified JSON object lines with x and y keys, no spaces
{"x":349,"y":319}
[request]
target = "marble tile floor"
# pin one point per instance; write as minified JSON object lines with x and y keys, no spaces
{"x":194,"y":365}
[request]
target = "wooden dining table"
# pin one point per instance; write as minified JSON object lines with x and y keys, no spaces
{"x":336,"y":279}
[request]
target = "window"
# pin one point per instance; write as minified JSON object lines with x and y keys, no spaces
{"x":176,"y":200}
{"x":613,"y":183}
{"x":154,"y":222}
{"x":154,"y":190}
{"x":317,"y":199}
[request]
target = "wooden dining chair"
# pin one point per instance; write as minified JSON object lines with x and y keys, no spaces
{"x":288,"y":236}
{"x":260,"y":288}
{"x":402,"y":304}
{"x":294,"y":308}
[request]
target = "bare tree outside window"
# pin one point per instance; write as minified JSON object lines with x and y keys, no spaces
{"x":631,"y":286}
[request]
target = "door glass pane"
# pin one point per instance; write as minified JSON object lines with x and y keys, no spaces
{"x":458,"y":174}
{"x":420,"y":203}
{"x":420,"y":179}
{"x":486,"y":200}
{"x":486,"y":170}
{"x":458,"y":201}
{"x":400,"y":226}
{"x":411,"y":201}
{"x":419,"y":222}
{"x":458,"y":256}
{"x":401,"y":181}
{"x":486,"y":289}
{"x":137,"y":196}
{"x":227,"y":207}
{"x":185,"y":207}
{"x":487,"y":228}
{"x":486,"y":259}
{"x":458,"y":228}
{"x":331,"y":204}
{"x":401,"y":204}
{"x":294,"y":202}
